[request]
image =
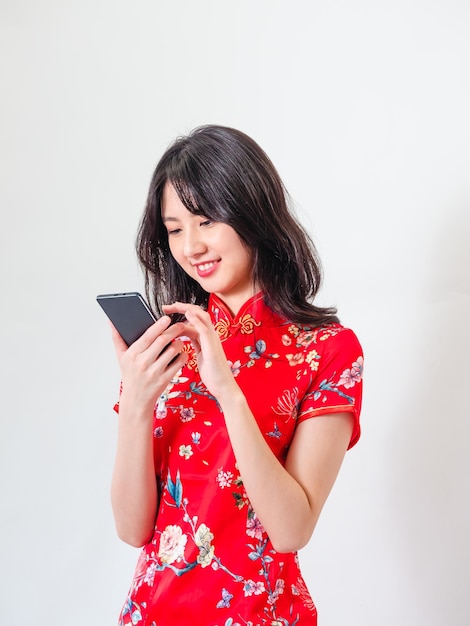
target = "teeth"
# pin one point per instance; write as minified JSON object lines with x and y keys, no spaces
{"x":205,"y":266}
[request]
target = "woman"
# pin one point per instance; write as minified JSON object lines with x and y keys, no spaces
{"x":235,"y":418}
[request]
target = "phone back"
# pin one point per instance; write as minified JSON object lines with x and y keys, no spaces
{"x":128,"y":312}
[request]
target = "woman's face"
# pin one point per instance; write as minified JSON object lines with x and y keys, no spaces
{"x":210,"y":252}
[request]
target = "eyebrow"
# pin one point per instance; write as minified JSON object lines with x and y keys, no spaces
{"x":169,"y":219}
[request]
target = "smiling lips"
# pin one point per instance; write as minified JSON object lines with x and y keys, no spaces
{"x":205,"y":269}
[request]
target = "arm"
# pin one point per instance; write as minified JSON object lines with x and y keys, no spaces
{"x":287,"y":499}
{"x":145,"y":373}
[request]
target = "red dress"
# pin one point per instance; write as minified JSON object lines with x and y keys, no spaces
{"x":210,"y":561}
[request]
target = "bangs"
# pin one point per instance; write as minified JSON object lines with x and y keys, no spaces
{"x":201,"y":184}
{"x":188,"y":196}
{"x":202,"y":199}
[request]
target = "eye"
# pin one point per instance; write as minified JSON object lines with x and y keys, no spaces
{"x":174,"y":231}
{"x":206,"y":222}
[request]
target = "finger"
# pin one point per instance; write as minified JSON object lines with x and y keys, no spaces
{"x":191,"y":333}
{"x":199,"y":319}
{"x":176,"y":307}
{"x":182,"y":308}
{"x":120,"y":345}
{"x":166,"y":338}
{"x":176,"y":363}
{"x":152,"y":333}
{"x":173,"y":352}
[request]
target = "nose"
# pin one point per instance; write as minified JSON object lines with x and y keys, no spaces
{"x":193,"y":242}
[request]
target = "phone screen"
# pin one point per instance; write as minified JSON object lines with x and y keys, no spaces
{"x":129,"y":313}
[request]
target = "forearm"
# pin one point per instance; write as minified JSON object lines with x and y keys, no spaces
{"x":134,"y":487}
{"x":279,"y":501}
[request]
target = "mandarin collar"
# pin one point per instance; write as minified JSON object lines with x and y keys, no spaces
{"x":252,"y":313}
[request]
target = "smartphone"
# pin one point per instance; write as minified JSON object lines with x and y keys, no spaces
{"x":129,"y":313}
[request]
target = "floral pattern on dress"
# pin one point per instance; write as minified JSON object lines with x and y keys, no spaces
{"x":211,"y":551}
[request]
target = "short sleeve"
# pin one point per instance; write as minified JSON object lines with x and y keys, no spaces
{"x":336,"y":386}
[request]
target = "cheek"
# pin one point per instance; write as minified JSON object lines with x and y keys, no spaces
{"x":235,"y":244}
{"x":175,"y":249}
{"x":248,"y":256}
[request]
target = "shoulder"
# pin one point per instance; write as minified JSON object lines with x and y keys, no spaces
{"x":337,"y":337}
{"x":339,"y":346}
{"x":331,"y":338}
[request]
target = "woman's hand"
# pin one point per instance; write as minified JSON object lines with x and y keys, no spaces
{"x":147,"y":366}
{"x":212,"y":363}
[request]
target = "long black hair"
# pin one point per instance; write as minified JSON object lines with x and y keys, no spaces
{"x":224,"y":175}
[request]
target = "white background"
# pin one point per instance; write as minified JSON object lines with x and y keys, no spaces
{"x":364,"y":107}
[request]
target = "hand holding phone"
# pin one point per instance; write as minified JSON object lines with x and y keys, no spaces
{"x":147,"y":369}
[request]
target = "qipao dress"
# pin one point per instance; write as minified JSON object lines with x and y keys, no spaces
{"x":210,"y":561}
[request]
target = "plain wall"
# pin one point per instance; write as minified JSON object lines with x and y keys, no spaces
{"x":364,"y":108}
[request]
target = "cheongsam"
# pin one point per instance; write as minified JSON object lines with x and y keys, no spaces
{"x":210,"y":561}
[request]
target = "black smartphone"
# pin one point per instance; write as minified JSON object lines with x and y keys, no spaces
{"x":129,"y":313}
